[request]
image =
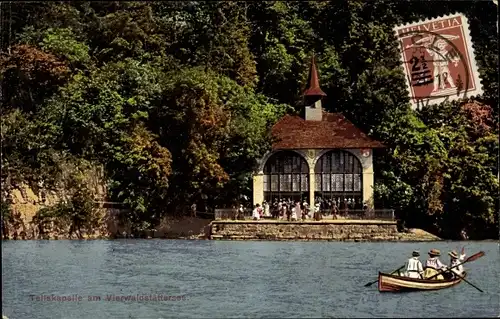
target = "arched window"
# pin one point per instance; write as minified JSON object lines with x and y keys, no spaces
{"x":338,"y":179}
{"x":286,"y":176}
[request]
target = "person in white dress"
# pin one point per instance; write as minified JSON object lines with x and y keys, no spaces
{"x":284,"y":211}
{"x":414,"y":268}
{"x":267,"y":211}
{"x":298,"y":211}
{"x":294,"y":213}
{"x":256,"y":212}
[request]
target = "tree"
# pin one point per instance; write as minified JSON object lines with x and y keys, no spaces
{"x":215,"y":129}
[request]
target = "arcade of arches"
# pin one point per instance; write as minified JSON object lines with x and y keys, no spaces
{"x":316,"y":175}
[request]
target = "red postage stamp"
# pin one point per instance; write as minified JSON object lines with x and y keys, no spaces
{"x":438,"y":60}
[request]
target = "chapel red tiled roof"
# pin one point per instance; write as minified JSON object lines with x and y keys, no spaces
{"x":334,"y":131}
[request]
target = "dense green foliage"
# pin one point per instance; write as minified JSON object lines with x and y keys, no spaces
{"x":175,"y":100}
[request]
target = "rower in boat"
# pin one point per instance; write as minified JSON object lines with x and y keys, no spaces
{"x":414,"y":267}
{"x":455,"y":259}
{"x":433,"y":265}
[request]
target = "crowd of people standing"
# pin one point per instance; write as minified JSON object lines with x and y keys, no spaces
{"x":294,"y":209}
{"x":287,"y":209}
{"x":284,"y":210}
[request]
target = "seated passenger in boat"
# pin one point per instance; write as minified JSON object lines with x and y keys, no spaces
{"x":433,"y":265}
{"x":455,"y":259}
{"x":414,"y":267}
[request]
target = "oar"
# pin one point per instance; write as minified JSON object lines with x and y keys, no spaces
{"x":371,"y":283}
{"x":463,"y":278}
{"x":468,"y":282}
{"x":471,"y":258}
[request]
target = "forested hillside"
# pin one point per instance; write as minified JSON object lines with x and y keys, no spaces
{"x":175,"y":100}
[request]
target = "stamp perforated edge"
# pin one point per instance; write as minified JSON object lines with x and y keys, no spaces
{"x":470,"y":50}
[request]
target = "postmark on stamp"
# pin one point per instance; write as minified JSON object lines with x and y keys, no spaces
{"x":438,"y":60}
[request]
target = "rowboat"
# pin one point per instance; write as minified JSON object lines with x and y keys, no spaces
{"x":395,"y":283}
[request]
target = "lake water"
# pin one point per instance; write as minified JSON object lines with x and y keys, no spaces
{"x":224,"y":279}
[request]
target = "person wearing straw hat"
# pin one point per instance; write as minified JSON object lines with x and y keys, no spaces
{"x":414,"y":267}
{"x":455,"y":259}
{"x":433,"y":265}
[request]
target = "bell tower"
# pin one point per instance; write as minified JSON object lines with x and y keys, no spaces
{"x":313,"y":95}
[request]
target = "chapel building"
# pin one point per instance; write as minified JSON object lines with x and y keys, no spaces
{"x":317,"y":157}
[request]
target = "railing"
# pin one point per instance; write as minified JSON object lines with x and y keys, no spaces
{"x":232,"y":213}
{"x":116,"y":205}
{"x":378,"y":214}
{"x":375,"y":214}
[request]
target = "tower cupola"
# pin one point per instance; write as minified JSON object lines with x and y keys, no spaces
{"x":313,"y":95}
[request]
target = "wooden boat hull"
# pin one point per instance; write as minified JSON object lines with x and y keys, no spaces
{"x":395,"y":283}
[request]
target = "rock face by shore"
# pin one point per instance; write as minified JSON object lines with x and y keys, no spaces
{"x":26,"y":201}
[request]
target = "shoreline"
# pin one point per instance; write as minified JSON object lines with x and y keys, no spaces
{"x":269,"y":240}
{"x":192,"y":228}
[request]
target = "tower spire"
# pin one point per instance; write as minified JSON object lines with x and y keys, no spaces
{"x":313,"y":81}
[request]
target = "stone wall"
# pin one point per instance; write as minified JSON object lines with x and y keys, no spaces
{"x":335,"y":230}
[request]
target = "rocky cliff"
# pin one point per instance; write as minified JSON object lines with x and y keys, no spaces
{"x":27,"y":199}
